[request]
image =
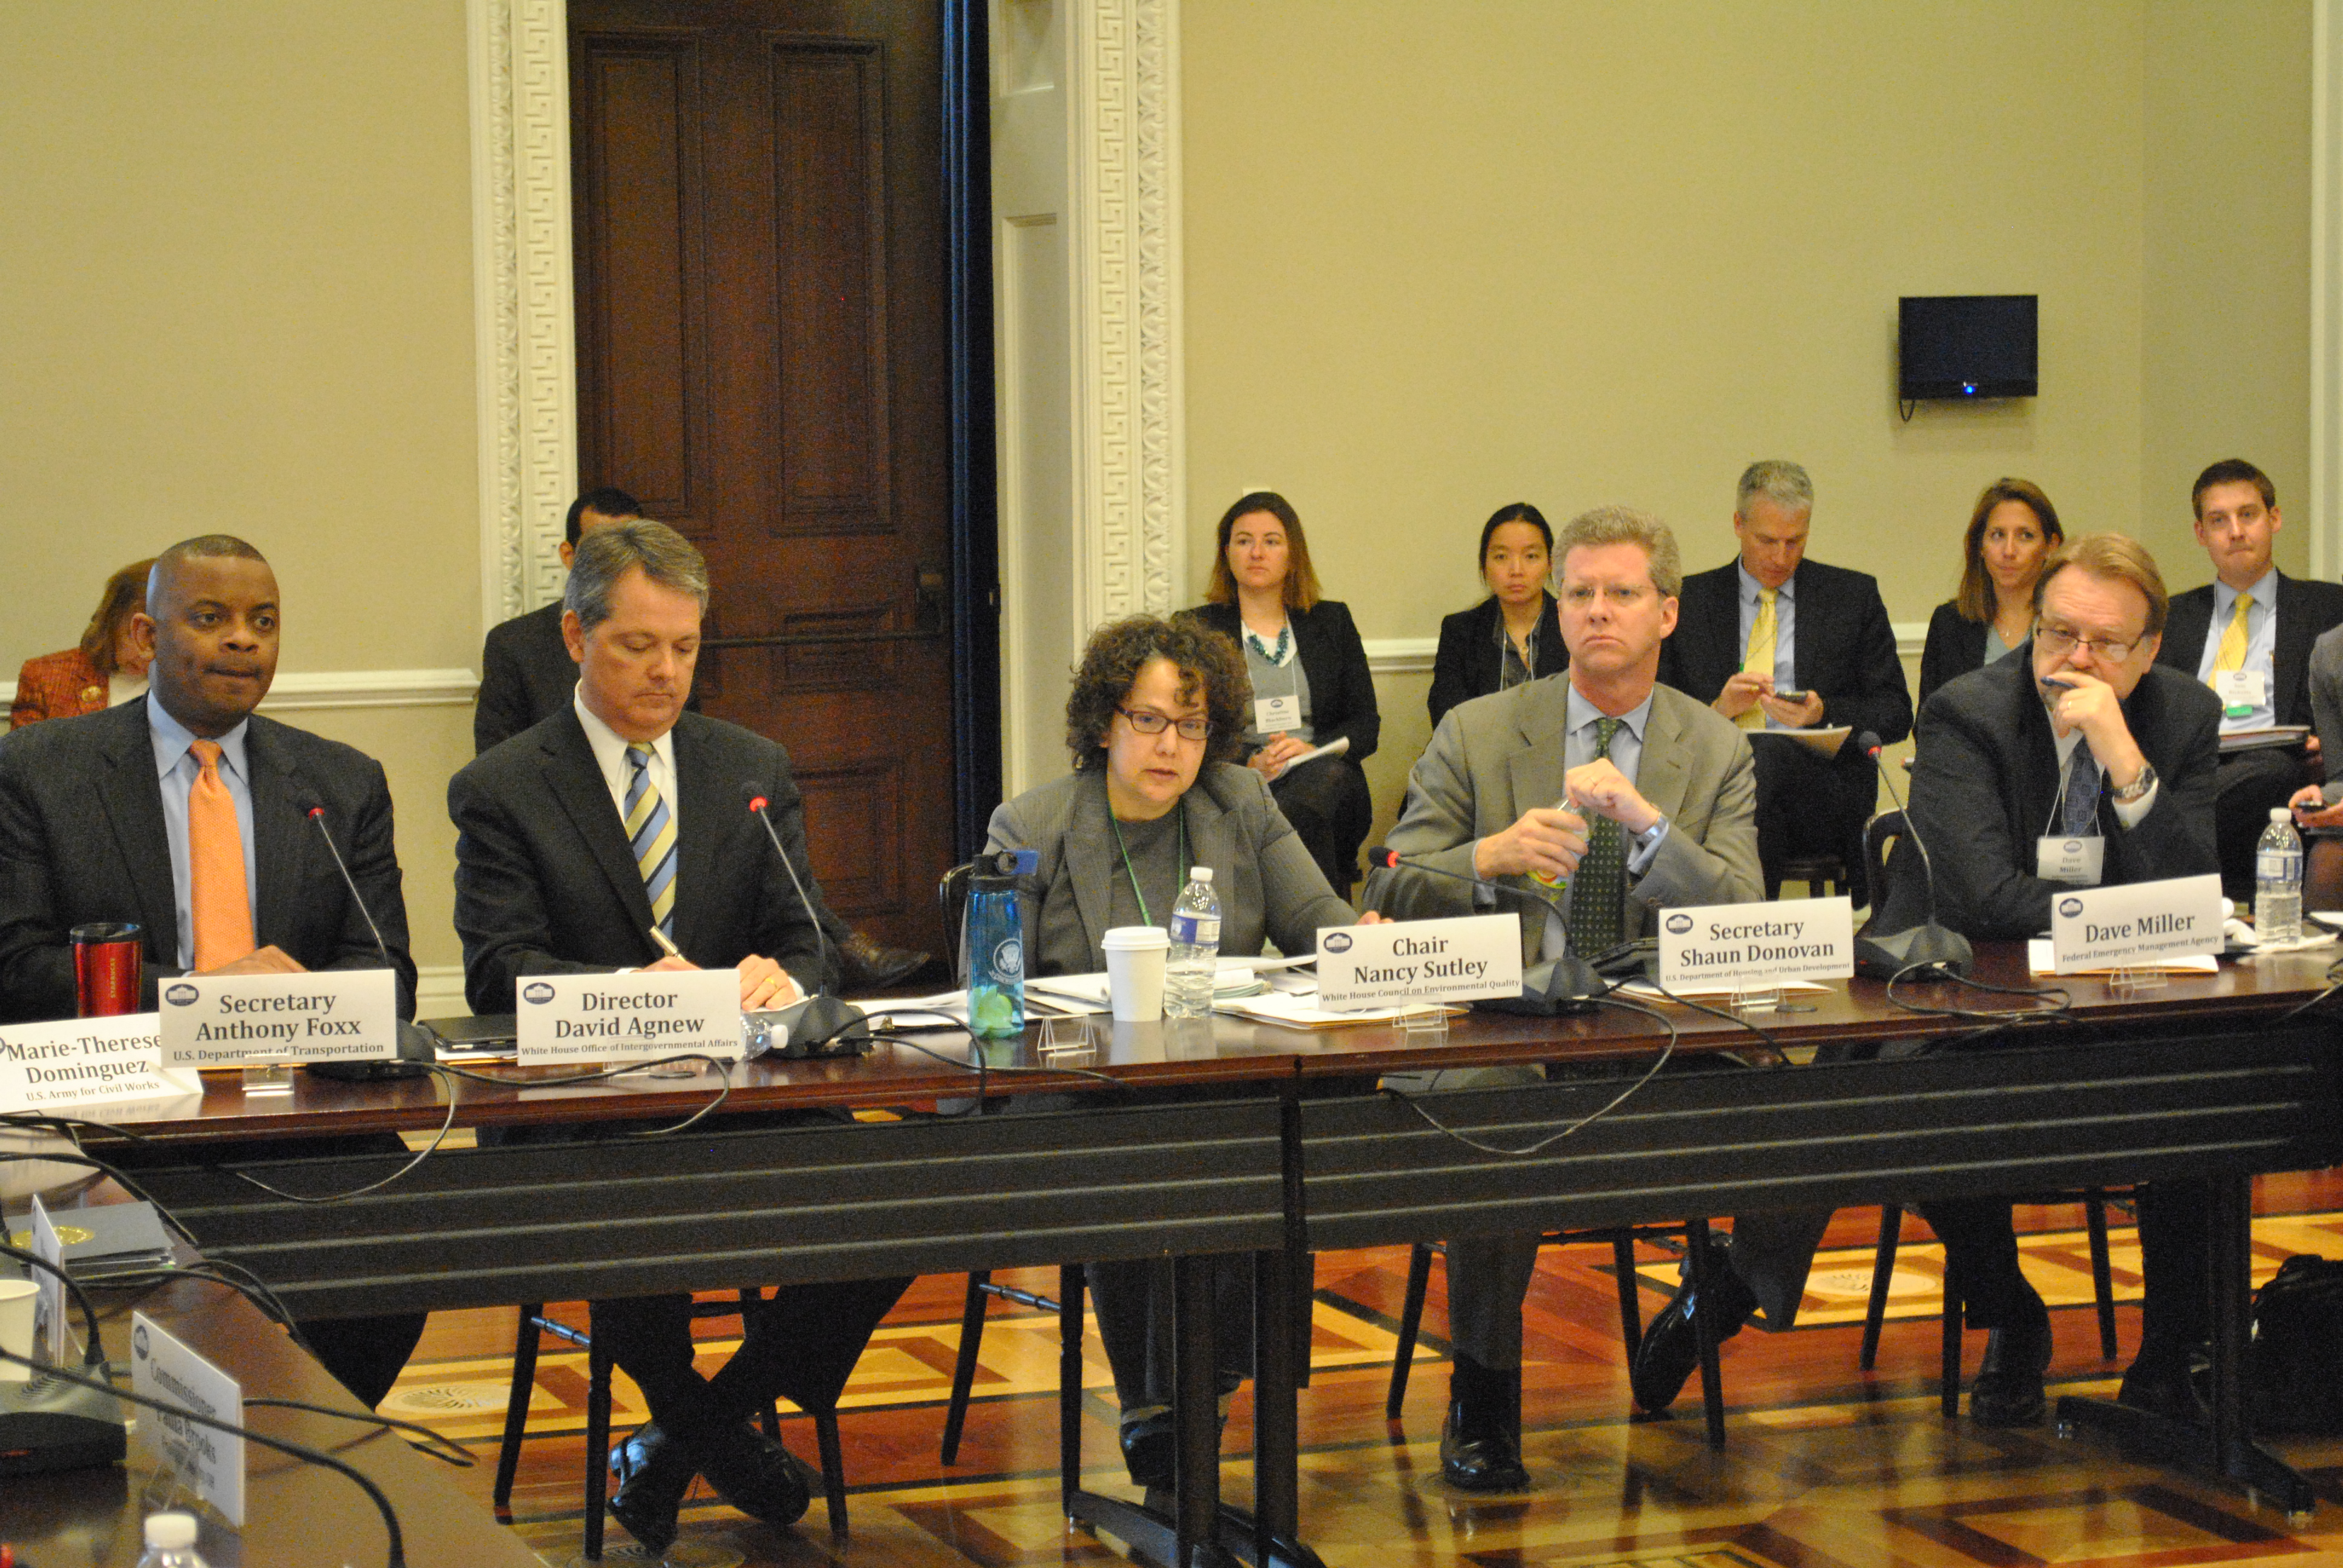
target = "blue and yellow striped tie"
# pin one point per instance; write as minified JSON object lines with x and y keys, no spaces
{"x":651,"y":832}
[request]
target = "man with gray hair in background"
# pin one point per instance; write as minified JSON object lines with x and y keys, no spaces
{"x":616,"y":834}
{"x":1639,"y":798}
{"x":1775,"y":641}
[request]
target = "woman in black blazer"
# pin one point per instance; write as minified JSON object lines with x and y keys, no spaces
{"x":2013,"y":532}
{"x":1310,"y":678}
{"x":1512,"y":635}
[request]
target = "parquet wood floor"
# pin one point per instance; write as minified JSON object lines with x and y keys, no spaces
{"x":1824,"y":1464}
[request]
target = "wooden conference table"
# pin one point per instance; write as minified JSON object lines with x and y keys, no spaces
{"x":1279,"y":1149}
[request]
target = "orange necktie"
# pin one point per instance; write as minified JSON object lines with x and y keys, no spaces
{"x":215,"y":893}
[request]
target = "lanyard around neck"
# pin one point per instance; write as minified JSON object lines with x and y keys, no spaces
{"x":1145,"y":918}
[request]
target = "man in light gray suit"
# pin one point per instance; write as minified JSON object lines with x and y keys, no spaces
{"x":1642,"y":797}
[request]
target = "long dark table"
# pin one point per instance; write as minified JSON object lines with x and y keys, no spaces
{"x":2191,"y":1079}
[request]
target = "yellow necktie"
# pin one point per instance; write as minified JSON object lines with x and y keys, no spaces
{"x":1760,"y":657}
{"x":217,"y":900}
{"x":2231,"y":655}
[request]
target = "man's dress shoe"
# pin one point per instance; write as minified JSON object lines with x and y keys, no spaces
{"x":1480,"y":1455}
{"x":1151,"y":1449}
{"x":2007,"y":1390}
{"x":1480,"y":1443}
{"x":1670,"y":1346}
{"x":757,"y":1476}
{"x":2164,"y":1385}
{"x":868,"y":964}
{"x":653,"y":1475}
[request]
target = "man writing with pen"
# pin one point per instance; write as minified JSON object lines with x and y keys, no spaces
{"x":616,"y":835}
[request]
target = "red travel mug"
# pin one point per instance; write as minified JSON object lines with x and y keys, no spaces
{"x":108,"y":965}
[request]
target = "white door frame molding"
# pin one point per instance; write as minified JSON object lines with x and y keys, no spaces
{"x":1129,"y":520}
{"x":1129,"y":481}
{"x":2327,"y":290}
{"x":524,"y":301}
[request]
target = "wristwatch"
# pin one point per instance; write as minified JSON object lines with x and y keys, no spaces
{"x":2138,"y":789}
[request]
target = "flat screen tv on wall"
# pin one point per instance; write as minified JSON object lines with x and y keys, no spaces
{"x":1966,"y":345}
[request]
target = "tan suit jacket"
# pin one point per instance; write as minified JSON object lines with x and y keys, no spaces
{"x":1496,"y":757}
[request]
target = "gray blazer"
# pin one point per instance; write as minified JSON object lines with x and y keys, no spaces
{"x":1269,"y":885}
{"x":1496,"y":757}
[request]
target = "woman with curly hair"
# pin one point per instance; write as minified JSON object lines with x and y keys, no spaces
{"x":1155,"y":719}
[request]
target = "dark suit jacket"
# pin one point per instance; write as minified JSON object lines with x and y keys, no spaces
{"x":82,"y":839}
{"x":59,"y":685}
{"x":527,"y":675}
{"x":545,"y":883}
{"x":1341,"y":686}
{"x":1986,"y":781}
{"x":1956,"y":646}
{"x":2305,"y":609}
{"x":1469,"y":662}
{"x":1845,"y":648}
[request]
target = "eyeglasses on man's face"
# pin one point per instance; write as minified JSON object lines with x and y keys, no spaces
{"x":2062,"y":640}
{"x":1147,"y":721}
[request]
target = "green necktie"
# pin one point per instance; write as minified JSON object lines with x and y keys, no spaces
{"x":1600,"y":886}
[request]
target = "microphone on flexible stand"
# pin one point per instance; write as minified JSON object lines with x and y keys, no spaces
{"x":1930,"y":950}
{"x":414,"y":1045}
{"x":821,"y":1025}
{"x":1548,"y":988}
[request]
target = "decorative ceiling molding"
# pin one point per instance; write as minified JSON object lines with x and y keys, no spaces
{"x":523,"y":300}
{"x":1131,"y":458}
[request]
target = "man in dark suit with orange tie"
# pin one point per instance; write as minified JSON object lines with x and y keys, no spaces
{"x":622,"y":815}
{"x":192,"y":816}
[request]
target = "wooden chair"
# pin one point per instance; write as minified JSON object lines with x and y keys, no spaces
{"x":1824,"y":875}
{"x":1622,"y":1239}
{"x":535,"y":1324}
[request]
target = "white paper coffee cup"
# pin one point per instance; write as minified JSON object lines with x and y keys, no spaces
{"x":20,"y":1302}
{"x":1135,"y":960}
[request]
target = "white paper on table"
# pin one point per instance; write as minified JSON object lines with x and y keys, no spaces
{"x":1644,"y":990}
{"x":2039,"y":960}
{"x":1302,"y":1010}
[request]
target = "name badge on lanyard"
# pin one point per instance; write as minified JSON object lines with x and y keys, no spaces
{"x":2078,"y":862}
{"x":1275,"y":715}
{"x":2240,"y":691}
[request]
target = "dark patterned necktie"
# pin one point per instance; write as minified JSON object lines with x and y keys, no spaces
{"x":1600,"y":886}
{"x":2081,"y":811}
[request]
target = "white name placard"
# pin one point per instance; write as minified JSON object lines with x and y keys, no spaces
{"x":629,"y":1018}
{"x":2135,"y":923}
{"x":326,"y":1015}
{"x":208,"y":1461}
{"x":1796,"y":938}
{"x":1419,"y":961}
{"x":43,"y":1066}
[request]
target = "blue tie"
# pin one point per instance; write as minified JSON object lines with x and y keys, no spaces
{"x":650,"y":833}
{"x":2081,"y":812}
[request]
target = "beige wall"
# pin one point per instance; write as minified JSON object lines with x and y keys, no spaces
{"x":1441,"y":260}
{"x":238,"y":297}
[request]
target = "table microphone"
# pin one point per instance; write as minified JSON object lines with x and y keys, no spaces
{"x":414,"y":1045}
{"x":821,"y":1025}
{"x":1554,"y":985}
{"x":1929,"y":951}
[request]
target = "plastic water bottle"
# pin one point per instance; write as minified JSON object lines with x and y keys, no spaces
{"x":996,"y":943}
{"x":170,"y":1541}
{"x":2277,"y":880}
{"x":1195,"y":956}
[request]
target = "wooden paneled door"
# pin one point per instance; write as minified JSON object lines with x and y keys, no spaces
{"x":762,"y":361}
